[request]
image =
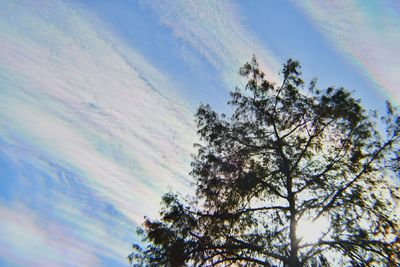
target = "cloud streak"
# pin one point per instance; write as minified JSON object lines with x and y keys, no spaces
{"x":217,"y":31}
{"x":84,"y":112}
{"x":367,"y":33}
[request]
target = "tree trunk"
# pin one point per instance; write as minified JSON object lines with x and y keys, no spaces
{"x":294,"y":248}
{"x":294,"y":261}
{"x":293,"y":258}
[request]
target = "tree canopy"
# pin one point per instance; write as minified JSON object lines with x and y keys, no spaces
{"x":288,"y":153}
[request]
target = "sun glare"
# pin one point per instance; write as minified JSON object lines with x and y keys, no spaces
{"x":310,"y":231}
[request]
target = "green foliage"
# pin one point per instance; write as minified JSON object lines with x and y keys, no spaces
{"x":286,"y":154}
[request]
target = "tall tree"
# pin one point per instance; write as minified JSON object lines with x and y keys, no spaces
{"x":287,"y":154}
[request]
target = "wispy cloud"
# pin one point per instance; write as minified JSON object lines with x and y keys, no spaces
{"x":28,"y":239}
{"x":74,"y":100}
{"x":367,"y":32}
{"x":216,"y":30}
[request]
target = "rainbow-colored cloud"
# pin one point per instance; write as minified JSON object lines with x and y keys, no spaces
{"x":365,"y":31}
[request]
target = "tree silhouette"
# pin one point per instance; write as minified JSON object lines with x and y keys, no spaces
{"x":287,"y":153}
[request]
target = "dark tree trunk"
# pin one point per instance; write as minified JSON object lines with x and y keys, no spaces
{"x":293,"y":258}
{"x":294,"y":261}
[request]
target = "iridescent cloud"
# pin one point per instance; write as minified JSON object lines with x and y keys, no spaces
{"x":96,"y":132}
{"x":91,"y":133}
{"x":367,"y":32}
{"x":216,"y":30}
{"x":76,"y":100}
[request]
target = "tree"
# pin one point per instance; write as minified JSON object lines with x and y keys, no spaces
{"x":286,"y":154}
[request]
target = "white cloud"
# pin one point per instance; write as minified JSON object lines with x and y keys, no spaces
{"x":216,"y":30}
{"x":368,"y":33}
{"x":29,"y":240}
{"x":95,"y":107}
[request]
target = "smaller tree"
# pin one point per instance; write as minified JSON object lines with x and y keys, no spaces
{"x":285,"y":155}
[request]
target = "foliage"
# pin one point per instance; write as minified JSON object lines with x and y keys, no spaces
{"x":287,"y":153}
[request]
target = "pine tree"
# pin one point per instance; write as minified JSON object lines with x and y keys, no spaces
{"x":287,"y":153}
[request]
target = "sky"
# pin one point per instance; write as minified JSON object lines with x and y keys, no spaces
{"x":98,"y":97}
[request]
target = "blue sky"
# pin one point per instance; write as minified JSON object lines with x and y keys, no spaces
{"x":98,"y":96}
